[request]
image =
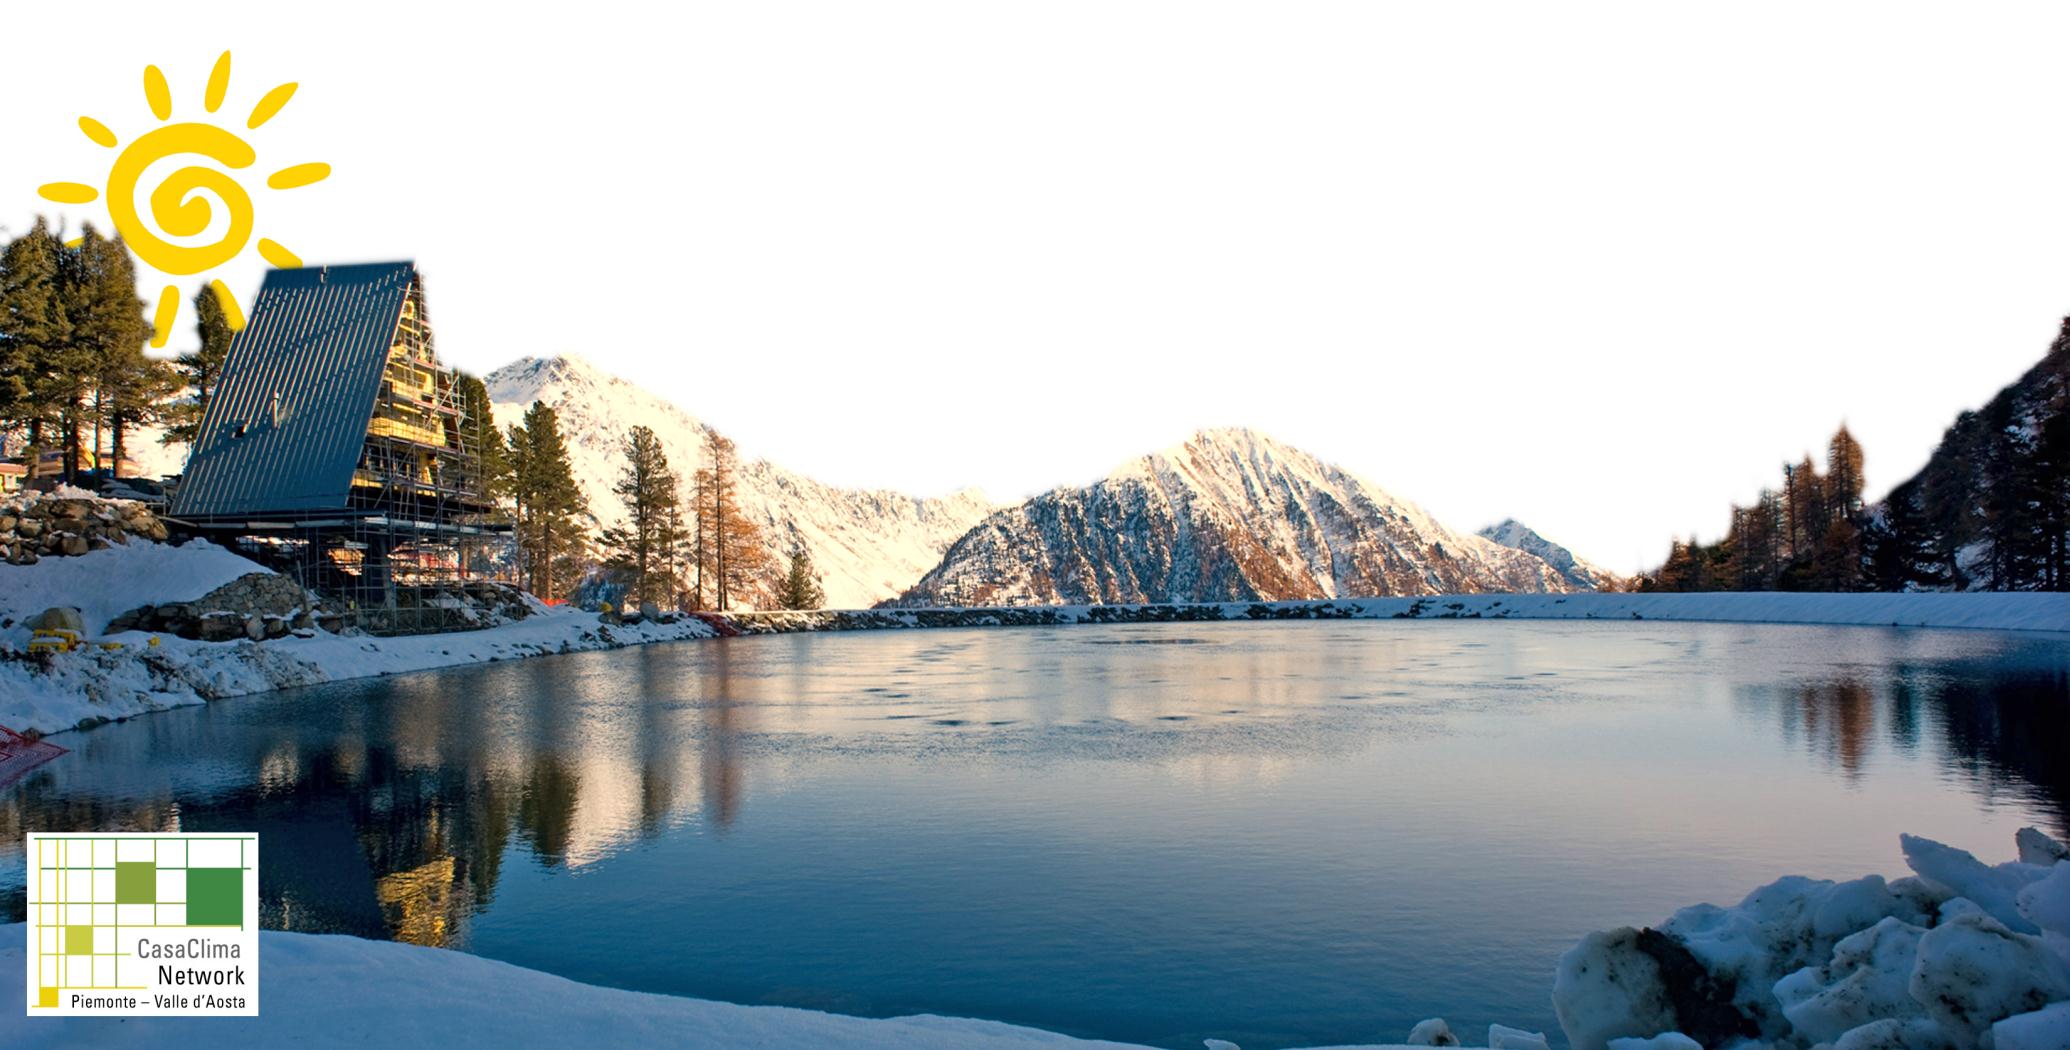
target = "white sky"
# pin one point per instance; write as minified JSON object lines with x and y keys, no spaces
{"x":1599,"y":267}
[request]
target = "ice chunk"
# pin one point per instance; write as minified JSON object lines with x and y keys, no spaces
{"x":1503,"y":1037}
{"x":1606,"y":988}
{"x":1867,"y":979}
{"x":2045,"y":1029}
{"x":1220,"y":1044}
{"x":1749,"y":947}
{"x":1993,"y":889}
{"x":1432,"y":1031}
{"x":1663,"y":1041}
{"x":2046,"y":903}
{"x":1973,"y":971}
{"x":1891,"y":1033}
{"x":2037,"y":848}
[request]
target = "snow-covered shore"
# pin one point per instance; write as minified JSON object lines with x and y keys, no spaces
{"x":1958,"y":956}
{"x":124,"y":673}
{"x":97,"y":684}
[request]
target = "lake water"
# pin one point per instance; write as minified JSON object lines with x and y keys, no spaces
{"x":1280,"y":834}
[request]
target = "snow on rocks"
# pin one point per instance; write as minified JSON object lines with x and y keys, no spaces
{"x":2045,"y":1029}
{"x":1866,"y":979}
{"x":1972,"y":971}
{"x":1503,"y":1037}
{"x":1940,"y":961}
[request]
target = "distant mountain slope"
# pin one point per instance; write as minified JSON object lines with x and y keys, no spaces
{"x":869,"y":545}
{"x":1516,"y":535}
{"x":1230,"y":515}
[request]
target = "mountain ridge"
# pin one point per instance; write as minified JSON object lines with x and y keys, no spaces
{"x":1229,"y":514}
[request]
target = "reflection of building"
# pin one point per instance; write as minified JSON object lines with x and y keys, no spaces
{"x":336,"y":446}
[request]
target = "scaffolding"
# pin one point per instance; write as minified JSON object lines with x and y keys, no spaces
{"x":417,"y":543}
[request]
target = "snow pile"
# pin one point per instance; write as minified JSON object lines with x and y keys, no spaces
{"x":106,"y":583}
{"x":1960,"y":956}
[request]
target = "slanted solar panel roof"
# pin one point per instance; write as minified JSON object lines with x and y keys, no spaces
{"x":317,"y":338}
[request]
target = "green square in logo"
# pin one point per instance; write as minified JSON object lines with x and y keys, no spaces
{"x":78,"y":940}
{"x":136,"y":882}
{"x":215,"y":896}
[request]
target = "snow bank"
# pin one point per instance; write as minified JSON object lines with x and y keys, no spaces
{"x":93,"y":685}
{"x":104,"y":584}
{"x":1918,"y":963}
{"x":318,"y":992}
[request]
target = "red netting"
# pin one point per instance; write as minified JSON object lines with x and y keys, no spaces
{"x":19,"y":754}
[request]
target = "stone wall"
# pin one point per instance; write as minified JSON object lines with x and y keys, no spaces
{"x":35,"y":526}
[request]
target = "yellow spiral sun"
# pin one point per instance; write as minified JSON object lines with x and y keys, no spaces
{"x":183,"y":204}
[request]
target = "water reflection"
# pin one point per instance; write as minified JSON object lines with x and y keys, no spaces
{"x":2001,"y":726}
{"x":1271,"y":825}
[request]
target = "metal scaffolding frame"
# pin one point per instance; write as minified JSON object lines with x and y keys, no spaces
{"x":416,"y":542}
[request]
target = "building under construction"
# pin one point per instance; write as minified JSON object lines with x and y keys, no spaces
{"x":334,"y":449}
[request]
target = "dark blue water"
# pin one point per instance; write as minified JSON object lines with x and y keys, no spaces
{"x":1281,"y":834}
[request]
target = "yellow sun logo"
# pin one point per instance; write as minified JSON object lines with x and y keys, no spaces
{"x":180,"y":204}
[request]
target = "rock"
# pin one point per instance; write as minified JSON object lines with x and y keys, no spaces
{"x":1974,"y":971}
{"x":2045,"y":1029}
{"x":257,"y":594}
{"x":1431,"y":1031}
{"x":28,"y":528}
{"x":1663,"y":1041}
{"x":255,"y":628}
{"x":1866,"y":980}
{"x":1219,"y":1044}
{"x":57,"y":618}
{"x":219,"y":627}
{"x":1503,"y":1037}
{"x":1891,"y":1033}
{"x":650,"y":612}
{"x":7,"y":522}
{"x":1607,"y":988}
{"x":72,"y":545}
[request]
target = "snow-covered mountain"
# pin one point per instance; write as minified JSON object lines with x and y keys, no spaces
{"x":867,"y":545}
{"x":1230,"y":515}
{"x":1584,"y":575}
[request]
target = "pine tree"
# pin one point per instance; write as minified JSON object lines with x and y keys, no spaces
{"x":478,"y":428}
{"x":549,"y":504}
{"x":200,"y":368}
{"x":800,"y":588}
{"x":132,"y":387}
{"x":34,"y":335}
{"x":640,"y":547}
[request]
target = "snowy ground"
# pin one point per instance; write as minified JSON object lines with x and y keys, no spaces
{"x":92,"y":685}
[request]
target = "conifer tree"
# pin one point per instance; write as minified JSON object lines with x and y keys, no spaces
{"x":200,"y":368}
{"x":549,"y":504}
{"x":800,"y":588}
{"x":478,"y":426}
{"x":640,"y":548}
{"x":34,"y":334}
